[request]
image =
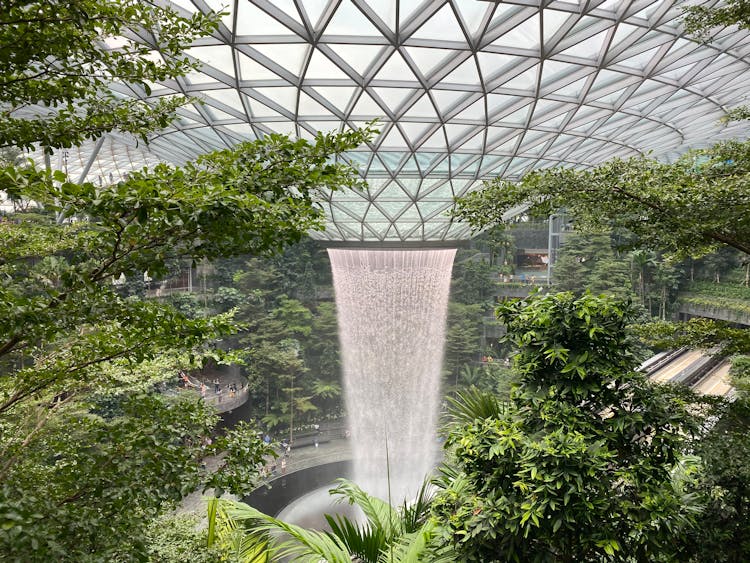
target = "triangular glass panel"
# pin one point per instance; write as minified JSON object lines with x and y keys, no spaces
{"x":414,"y":131}
{"x":339,"y":96}
{"x":456,"y":132}
{"x":442,"y":26}
{"x":367,"y":107}
{"x":523,"y":36}
{"x":199,"y":78}
{"x":426,"y":159}
{"x":216,"y":56}
{"x":289,"y":56}
{"x":475,"y":112}
{"x":229,"y":97}
{"x":446,"y":99}
{"x":518,"y":117}
{"x":289,"y":7}
{"x":396,"y":68}
{"x":427,"y":59}
{"x":393,"y":97}
{"x":252,"y":70}
{"x":376,"y":166}
{"x":310,"y":107}
{"x":219,"y":115}
{"x":314,"y":10}
{"x":499,"y":103}
{"x":553,"y":21}
{"x":442,"y":191}
{"x":472,"y":14}
{"x":407,"y":9}
{"x":422,"y":109}
{"x":474,"y":143}
{"x":242,"y":129}
{"x":525,"y":81}
{"x":410,"y":186}
{"x":348,"y":20}
{"x":285,"y":96}
{"x":435,"y":141}
{"x":359,"y":57}
{"x":251,"y":20}
{"x":428,"y":208}
{"x":506,"y":147}
{"x":641,"y":60}
{"x":374,"y":215}
{"x":588,"y":48}
{"x":386,"y":11}
{"x":492,"y":63}
{"x":259,"y":109}
{"x":556,"y":71}
{"x":465,"y":73}
{"x":495,"y":134}
{"x":283,"y":127}
{"x":626,"y":32}
{"x":380,"y":230}
{"x":410,"y":166}
{"x":573,"y":90}
{"x":321,"y":67}
{"x":394,"y":140}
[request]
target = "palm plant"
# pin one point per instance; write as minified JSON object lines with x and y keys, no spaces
{"x":386,"y":535}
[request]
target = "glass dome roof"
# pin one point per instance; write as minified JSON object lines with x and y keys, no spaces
{"x":464,"y":90}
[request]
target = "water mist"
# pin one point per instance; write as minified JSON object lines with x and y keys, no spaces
{"x":392,"y":307}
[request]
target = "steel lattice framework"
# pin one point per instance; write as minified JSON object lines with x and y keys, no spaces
{"x":464,"y":90}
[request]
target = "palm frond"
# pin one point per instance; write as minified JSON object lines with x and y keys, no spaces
{"x":379,"y":513}
{"x":304,"y":545}
{"x":415,"y":513}
{"x":416,"y":547}
{"x":471,"y":405}
{"x":364,"y":542}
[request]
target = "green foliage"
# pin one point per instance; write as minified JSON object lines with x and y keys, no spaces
{"x":56,"y":68}
{"x":722,"y":532}
{"x":86,"y":487}
{"x":177,"y":539}
{"x":578,"y":467}
{"x":473,"y":282}
{"x":722,"y":290}
{"x":387,"y":534}
{"x":688,"y":207}
{"x":462,"y":338}
{"x":701,"y":19}
{"x":695,"y":333}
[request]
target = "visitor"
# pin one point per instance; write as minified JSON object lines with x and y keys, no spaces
{"x":217,"y":385}
{"x":203,"y":390}
{"x":283,"y":466}
{"x":267,"y":439}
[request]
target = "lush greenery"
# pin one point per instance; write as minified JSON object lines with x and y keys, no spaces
{"x":94,"y":440}
{"x":686,"y":208}
{"x":579,"y":465}
{"x":59,"y":59}
{"x":387,"y":534}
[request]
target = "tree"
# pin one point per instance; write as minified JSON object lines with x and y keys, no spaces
{"x":60,"y":60}
{"x":688,"y":207}
{"x":578,"y":466}
{"x":68,"y":335}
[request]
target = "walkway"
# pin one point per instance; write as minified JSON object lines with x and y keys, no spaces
{"x":300,"y":458}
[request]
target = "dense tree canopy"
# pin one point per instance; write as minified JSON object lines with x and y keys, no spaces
{"x":578,"y":466}
{"x":688,"y":207}
{"x":58,"y":61}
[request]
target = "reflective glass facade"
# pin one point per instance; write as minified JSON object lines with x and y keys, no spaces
{"x":464,"y":90}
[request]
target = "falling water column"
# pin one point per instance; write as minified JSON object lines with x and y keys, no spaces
{"x":392,"y":307}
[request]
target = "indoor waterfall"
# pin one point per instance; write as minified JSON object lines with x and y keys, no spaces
{"x":392,"y":307}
